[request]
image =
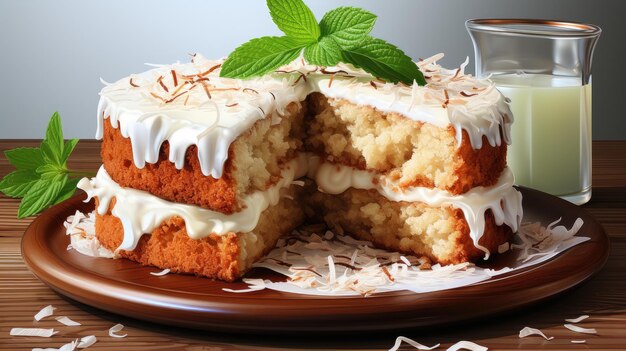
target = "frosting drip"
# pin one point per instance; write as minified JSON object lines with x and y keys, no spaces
{"x":141,"y":212}
{"x":189,"y":104}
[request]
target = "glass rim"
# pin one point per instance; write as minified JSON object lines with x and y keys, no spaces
{"x":544,"y":28}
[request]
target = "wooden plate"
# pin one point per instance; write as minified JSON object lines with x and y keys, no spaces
{"x":124,"y":287}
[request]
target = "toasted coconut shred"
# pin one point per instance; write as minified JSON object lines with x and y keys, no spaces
{"x":115,"y":329}
{"x":67,"y":321}
{"x":577,"y":320}
{"x":528,"y":331}
{"x":67,"y":347}
{"x":44,"y":312}
{"x":415,"y":344}
{"x":467,"y":345}
{"x":326,"y":263}
{"x":40,"y":332}
{"x":87,"y":341}
{"x":582,"y":330}
{"x":161,"y":273}
{"x":319,"y":262}
{"x":82,"y":228}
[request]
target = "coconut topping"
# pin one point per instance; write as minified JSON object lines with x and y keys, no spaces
{"x":188,"y":104}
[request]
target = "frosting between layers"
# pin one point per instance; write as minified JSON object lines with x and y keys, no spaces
{"x":142,"y":212}
{"x":504,"y":201}
{"x":189,"y":104}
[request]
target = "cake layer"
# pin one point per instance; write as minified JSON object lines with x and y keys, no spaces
{"x":142,"y":212}
{"x":411,"y":153}
{"x":225,"y":256}
{"x":440,"y":233}
{"x":255,"y":162}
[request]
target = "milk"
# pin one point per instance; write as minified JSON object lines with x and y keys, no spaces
{"x":551,"y":135}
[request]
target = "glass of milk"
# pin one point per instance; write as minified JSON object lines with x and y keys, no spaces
{"x":544,"y":68}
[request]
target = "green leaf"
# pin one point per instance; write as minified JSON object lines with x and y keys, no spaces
{"x":295,"y":19}
{"x":67,"y":191}
{"x":25,"y":157}
{"x":347,"y":26}
{"x":17,"y":183}
{"x":260,"y":56}
{"x":41,"y":195}
{"x":52,"y":145}
{"x":326,"y":52}
{"x":49,"y":170}
{"x":384,"y":60}
{"x":68,"y":149}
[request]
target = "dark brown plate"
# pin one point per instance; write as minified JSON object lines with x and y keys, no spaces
{"x":126,"y":288}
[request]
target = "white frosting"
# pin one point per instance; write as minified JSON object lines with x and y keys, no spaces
{"x":501,"y":198}
{"x":171,"y":103}
{"x":141,"y":212}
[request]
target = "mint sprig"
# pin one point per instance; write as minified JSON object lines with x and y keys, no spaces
{"x":42,"y":177}
{"x":341,"y":36}
{"x":384,"y":60}
{"x":347,"y":26}
{"x":260,"y":55}
{"x":294,"y":19}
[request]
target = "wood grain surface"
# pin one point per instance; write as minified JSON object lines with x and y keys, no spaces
{"x":603,"y":298}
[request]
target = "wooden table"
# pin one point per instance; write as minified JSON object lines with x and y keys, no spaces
{"x":603,"y":298}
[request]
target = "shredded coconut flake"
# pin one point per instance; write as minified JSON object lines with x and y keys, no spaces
{"x":87,"y":341}
{"x":161,"y":273}
{"x":44,"y":312}
{"x":415,"y":344}
{"x":577,"y":320}
{"x":67,"y":321}
{"x":466,"y":345}
{"x":582,"y":330}
{"x":320,"y":262}
{"x":40,"y":332}
{"x":253,"y":285}
{"x":578,"y":341}
{"x":528,"y":331}
{"x":116,"y":328}
{"x":82,"y":228}
{"x":316,"y":265}
{"x":71,"y":346}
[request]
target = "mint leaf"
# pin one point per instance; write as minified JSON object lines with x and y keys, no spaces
{"x":42,"y":177}
{"x":347,"y":26}
{"x":25,"y":157}
{"x":260,"y":56}
{"x":67,"y":191}
{"x":50,"y":171}
{"x":68,"y":149}
{"x":17,"y":183}
{"x":41,"y":195}
{"x":384,"y":60}
{"x":295,"y":19}
{"x":52,"y":145}
{"x":326,"y":52}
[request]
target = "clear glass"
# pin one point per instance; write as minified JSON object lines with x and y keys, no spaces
{"x":544,"y":67}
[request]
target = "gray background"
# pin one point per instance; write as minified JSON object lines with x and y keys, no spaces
{"x":52,"y":53}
